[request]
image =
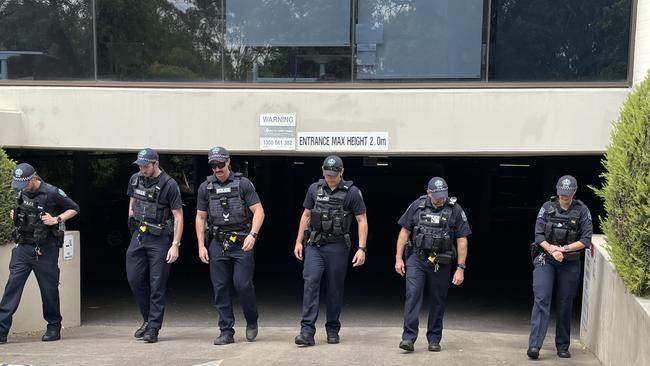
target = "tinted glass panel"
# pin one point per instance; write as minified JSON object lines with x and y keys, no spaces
{"x":45,"y":40}
{"x":159,"y":40}
{"x":421,"y":39}
{"x":559,"y":40}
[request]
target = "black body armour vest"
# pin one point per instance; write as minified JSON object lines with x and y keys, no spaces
{"x":226,"y":208}
{"x":27,"y":218}
{"x":146,"y":208}
{"x":562,"y":228}
{"x":432,"y":234}
{"x":329,"y":220}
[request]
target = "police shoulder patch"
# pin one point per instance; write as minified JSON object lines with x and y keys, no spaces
{"x":360,"y":195}
{"x":541,"y":212}
{"x":589,"y":215}
{"x":62,"y":193}
{"x":463,"y":216}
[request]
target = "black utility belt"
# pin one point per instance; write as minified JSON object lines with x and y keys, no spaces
{"x":568,"y":257}
{"x":230,"y":236}
{"x":435,"y":258}
{"x":143,"y":227}
{"x":52,"y":241}
{"x":318,"y":239}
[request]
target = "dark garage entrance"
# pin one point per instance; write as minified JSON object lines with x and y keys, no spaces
{"x":501,"y":196}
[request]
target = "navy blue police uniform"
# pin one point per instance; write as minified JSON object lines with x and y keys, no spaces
{"x":37,"y":249}
{"x":327,"y":250}
{"x":558,"y":227}
{"x":433,"y":237}
{"x":229,"y":222}
{"x":152,"y":226}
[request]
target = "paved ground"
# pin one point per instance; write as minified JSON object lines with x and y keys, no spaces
{"x":476,"y":333}
{"x":179,"y":345}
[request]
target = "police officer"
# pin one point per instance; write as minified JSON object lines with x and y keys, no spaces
{"x":324,"y":241}
{"x":40,"y":209}
{"x":432,"y":224}
{"x":156,"y":223}
{"x":562,"y":230}
{"x":230,"y":206}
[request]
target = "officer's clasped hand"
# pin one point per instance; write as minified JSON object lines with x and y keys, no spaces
{"x":48,"y":219}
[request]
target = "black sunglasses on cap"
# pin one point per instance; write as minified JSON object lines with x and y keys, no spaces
{"x":217,"y":165}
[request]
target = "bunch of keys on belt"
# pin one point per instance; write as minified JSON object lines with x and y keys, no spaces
{"x":37,"y":250}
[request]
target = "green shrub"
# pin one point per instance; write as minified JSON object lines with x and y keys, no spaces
{"x":7,"y":197}
{"x":626,"y":192}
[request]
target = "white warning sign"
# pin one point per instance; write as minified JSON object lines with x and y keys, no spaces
{"x":342,"y":141}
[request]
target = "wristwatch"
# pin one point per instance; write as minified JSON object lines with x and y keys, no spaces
{"x":566,"y":248}
{"x":253,"y":234}
{"x":462,"y":266}
{"x":59,"y":219}
{"x":363,"y":249}
{"x":177,"y":243}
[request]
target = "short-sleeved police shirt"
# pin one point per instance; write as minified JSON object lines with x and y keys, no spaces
{"x":170,"y":194}
{"x":586,"y":227}
{"x":57,"y":201}
{"x":353,"y":200}
{"x":246,"y":191}
{"x":457,"y":221}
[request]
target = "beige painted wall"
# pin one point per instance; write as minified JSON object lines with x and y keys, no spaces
{"x":29,"y":316}
{"x":615,"y":325}
{"x":472,"y":121}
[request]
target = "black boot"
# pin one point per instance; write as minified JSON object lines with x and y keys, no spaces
{"x":140,"y":332}
{"x":224,"y":339}
{"x":533,"y":353}
{"x":406,"y":345}
{"x":305,"y":340}
{"x":51,"y":334}
{"x":251,"y":332}
{"x":150,"y":335}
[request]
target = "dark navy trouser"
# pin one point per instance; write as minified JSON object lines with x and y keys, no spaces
{"x":564,"y":277}
{"x":232,"y":268}
{"x":147,"y":271}
{"x":331,"y":260}
{"x":46,"y":269}
{"x":421,"y":274}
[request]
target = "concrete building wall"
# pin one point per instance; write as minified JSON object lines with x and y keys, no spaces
{"x":615,"y":325}
{"x":29,"y":316}
{"x":642,"y":42}
{"x":470,"y":121}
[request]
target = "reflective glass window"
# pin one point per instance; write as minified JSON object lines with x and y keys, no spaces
{"x":159,"y":40}
{"x":553,"y":40}
{"x":419,"y":39}
{"x":46,"y":40}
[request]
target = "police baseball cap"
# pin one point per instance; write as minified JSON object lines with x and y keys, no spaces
{"x":146,"y":156}
{"x":567,"y":185}
{"x":332,"y":166}
{"x":438,"y":188}
{"x":219,"y":154}
{"x":22,"y":174}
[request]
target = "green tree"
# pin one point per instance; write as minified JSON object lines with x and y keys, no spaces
{"x":626,"y":192}
{"x":7,"y":197}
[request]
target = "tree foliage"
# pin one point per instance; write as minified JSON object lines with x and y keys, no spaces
{"x":626,"y":192}
{"x":7,"y":197}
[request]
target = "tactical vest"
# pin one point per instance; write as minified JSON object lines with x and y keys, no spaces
{"x":27,"y":218}
{"x":226,"y":208}
{"x":146,"y":206}
{"x":432,"y":234}
{"x":562,"y":228}
{"x":329,"y":220}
